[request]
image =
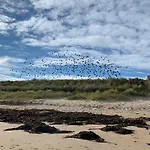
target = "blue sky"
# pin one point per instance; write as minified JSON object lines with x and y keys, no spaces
{"x":33,"y":29}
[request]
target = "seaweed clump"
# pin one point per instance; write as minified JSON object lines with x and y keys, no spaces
{"x":117,"y":129}
{"x":87,"y":135}
{"x":38,"y":128}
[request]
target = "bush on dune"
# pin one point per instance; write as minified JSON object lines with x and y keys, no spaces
{"x":107,"y":89}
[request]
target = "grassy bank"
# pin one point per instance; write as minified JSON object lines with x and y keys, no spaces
{"x":108,"y":89}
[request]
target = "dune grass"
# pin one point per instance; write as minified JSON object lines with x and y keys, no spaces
{"x":108,"y":89}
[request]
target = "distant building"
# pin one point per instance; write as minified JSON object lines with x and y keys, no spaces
{"x":148,"y":78}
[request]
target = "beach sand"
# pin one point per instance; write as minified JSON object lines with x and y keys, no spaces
{"x":135,"y":108}
{"x":20,"y":140}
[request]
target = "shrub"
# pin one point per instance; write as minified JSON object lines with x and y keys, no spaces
{"x":78,"y":96}
{"x":130,"y":92}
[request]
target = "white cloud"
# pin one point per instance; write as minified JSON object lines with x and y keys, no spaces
{"x":116,"y":28}
{"x":8,"y":78}
{"x":4,"y":27}
{"x":6,"y":59}
{"x":5,"y":47}
{"x":6,"y":64}
{"x":102,"y":25}
{"x":6,"y":19}
{"x":16,"y":6}
{"x":7,"y":10}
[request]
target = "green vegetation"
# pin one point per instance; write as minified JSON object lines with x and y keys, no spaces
{"x":108,"y":89}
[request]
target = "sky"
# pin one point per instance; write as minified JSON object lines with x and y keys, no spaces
{"x":33,"y":32}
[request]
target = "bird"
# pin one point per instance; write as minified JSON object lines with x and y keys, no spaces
{"x":57,"y":64}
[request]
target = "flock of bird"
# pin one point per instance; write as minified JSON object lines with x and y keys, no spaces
{"x":56,"y":65}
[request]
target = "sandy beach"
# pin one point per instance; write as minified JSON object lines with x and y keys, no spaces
{"x":134,"y":108}
{"x":139,"y":140}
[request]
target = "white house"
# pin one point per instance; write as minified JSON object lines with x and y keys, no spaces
{"x":147,"y":77}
